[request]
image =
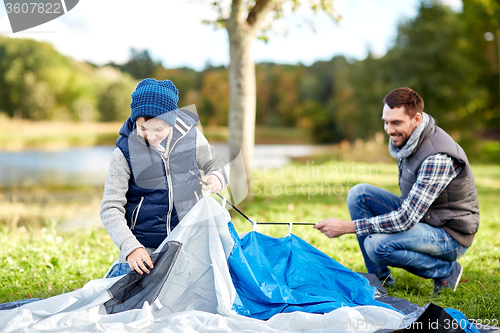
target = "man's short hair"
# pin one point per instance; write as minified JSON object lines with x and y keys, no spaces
{"x":406,"y":97}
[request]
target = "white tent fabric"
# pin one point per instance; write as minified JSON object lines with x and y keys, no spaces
{"x":197,"y":296}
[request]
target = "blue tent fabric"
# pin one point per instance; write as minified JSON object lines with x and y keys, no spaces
{"x":461,"y":321}
{"x":276,"y":275}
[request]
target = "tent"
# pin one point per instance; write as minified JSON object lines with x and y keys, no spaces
{"x":207,"y":278}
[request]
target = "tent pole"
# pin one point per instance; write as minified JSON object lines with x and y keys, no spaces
{"x":246,"y":217}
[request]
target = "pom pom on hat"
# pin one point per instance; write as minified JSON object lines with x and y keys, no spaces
{"x":155,"y":99}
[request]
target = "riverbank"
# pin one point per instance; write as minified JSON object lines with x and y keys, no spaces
{"x":19,"y":135}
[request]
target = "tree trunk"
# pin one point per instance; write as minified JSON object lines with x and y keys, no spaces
{"x":242,"y":104}
{"x":242,"y":29}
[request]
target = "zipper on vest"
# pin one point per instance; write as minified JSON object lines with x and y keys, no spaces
{"x":169,"y":180}
{"x":134,"y":218}
{"x":170,"y":196}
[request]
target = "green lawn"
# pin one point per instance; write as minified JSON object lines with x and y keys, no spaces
{"x":46,"y":262}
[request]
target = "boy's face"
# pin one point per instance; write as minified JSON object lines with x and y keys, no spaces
{"x":154,"y":131}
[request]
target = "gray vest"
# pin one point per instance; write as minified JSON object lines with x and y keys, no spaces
{"x":456,"y":209}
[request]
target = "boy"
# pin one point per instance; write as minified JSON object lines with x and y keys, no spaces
{"x":149,"y":188}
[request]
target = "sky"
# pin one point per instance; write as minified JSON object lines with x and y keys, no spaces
{"x":101,"y":31}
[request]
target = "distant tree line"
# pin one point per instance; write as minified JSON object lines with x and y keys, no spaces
{"x":38,"y":83}
{"x":440,"y":53}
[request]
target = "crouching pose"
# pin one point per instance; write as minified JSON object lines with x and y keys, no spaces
{"x":434,"y":221}
{"x":149,"y":188}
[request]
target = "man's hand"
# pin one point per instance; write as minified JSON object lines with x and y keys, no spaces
{"x":138,"y":259}
{"x":213,"y":184}
{"x":333,"y":227}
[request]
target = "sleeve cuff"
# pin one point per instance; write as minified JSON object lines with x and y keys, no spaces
{"x":220,"y":177}
{"x":361,"y":227}
{"x":129,"y":246}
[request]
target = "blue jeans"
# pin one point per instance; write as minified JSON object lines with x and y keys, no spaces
{"x":119,"y":269}
{"x":423,"y":250}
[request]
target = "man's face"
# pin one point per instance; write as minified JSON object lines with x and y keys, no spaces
{"x":153,"y":130}
{"x":399,"y":125}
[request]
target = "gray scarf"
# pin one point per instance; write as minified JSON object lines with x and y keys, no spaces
{"x":412,"y":142}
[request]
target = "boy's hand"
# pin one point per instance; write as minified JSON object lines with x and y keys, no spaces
{"x":138,"y":259}
{"x":213,"y":184}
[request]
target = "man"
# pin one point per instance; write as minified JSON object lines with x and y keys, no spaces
{"x":434,"y":221}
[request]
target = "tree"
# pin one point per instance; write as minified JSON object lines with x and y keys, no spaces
{"x":140,"y":65}
{"x":25,"y":68}
{"x":114,"y":100}
{"x":480,"y":17}
{"x":214,"y":89}
{"x":246,"y":19}
{"x":430,"y":56}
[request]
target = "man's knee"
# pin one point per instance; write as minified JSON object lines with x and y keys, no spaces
{"x":378,"y":248}
{"x":355,"y":194}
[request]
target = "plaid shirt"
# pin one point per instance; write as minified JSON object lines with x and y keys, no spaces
{"x":435,"y":173}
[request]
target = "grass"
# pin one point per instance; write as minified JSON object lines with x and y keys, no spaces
{"x":46,"y":261}
{"x":50,"y":262}
{"x":35,"y":206}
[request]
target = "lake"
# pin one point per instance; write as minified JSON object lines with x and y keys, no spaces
{"x":88,"y":166}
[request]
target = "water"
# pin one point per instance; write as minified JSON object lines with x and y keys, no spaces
{"x":88,"y":166}
{"x":271,"y":155}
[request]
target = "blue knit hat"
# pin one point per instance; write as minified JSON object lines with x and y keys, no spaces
{"x":156,"y":99}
